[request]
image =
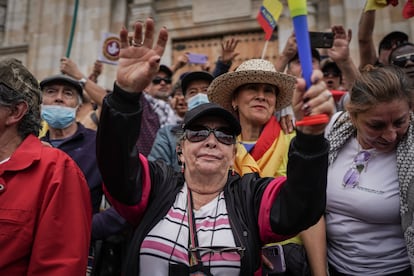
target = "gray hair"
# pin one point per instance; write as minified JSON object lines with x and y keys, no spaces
{"x":30,"y":123}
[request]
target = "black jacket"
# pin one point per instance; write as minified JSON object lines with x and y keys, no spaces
{"x":299,"y":203}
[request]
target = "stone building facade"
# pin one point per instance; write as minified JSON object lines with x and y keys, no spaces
{"x":38,"y":31}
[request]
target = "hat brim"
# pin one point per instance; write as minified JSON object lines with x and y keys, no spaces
{"x":63,"y":79}
{"x":214,"y":110}
{"x":192,"y":76}
{"x":166,"y":70}
{"x":222,"y":88}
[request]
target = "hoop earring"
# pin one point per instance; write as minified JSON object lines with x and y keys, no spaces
{"x":182,"y":167}
{"x":235,"y":108}
{"x":232,"y":171}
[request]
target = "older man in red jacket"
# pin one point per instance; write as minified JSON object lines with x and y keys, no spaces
{"x":45,"y":208}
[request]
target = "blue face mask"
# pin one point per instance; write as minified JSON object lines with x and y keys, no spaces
{"x":58,"y":116}
{"x":196,"y":100}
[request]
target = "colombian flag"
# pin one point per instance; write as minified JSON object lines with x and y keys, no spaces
{"x":268,"y":15}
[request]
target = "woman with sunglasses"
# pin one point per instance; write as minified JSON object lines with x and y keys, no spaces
{"x":370,"y":193}
{"x":205,"y":219}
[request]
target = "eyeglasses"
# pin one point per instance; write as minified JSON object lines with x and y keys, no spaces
{"x":201,"y":134}
{"x":351,"y":177}
{"x":402,"y":60}
{"x":225,"y":253}
{"x":157,"y":80}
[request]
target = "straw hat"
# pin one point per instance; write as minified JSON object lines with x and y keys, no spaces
{"x":222,"y":88}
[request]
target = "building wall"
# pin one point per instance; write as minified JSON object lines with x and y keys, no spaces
{"x":38,"y":31}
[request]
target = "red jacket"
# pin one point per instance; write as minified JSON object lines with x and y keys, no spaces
{"x":45,"y":213}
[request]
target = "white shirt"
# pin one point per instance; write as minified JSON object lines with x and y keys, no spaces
{"x":363,"y":223}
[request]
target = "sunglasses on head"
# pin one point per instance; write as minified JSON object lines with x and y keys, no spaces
{"x":402,"y":60}
{"x":360,"y":162}
{"x":157,"y":80}
{"x":198,"y":134}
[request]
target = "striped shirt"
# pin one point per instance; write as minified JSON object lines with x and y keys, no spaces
{"x":168,"y":242}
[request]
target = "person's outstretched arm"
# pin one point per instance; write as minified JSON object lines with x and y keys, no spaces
{"x":94,"y":92}
{"x":340,"y":54}
{"x":367,"y":51}
{"x":125,"y":172}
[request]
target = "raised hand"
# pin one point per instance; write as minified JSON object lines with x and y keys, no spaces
{"x":139,"y":62}
{"x":68,"y":67}
{"x":228,"y":50}
{"x":316,"y":100}
{"x":340,"y":49}
{"x":291,"y":47}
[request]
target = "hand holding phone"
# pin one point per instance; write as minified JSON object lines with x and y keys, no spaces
{"x":321,"y":39}
{"x":197,"y":58}
{"x":274,"y":254}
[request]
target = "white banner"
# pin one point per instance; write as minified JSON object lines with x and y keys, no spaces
{"x":109,"y":48}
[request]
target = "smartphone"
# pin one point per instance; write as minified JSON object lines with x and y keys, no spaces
{"x":274,"y":253}
{"x":321,"y":39}
{"x":197,"y":58}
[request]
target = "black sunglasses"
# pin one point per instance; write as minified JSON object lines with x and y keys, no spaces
{"x":402,"y":60}
{"x":389,"y":44}
{"x":333,"y":74}
{"x":157,"y":80}
{"x":201,"y":133}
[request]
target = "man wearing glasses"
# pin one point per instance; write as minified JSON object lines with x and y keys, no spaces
{"x":161,"y":87}
{"x":157,"y":94}
{"x":403,"y":57}
{"x":61,"y":99}
{"x":367,"y":50}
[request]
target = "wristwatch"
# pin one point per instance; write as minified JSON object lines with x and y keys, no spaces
{"x":83,"y":81}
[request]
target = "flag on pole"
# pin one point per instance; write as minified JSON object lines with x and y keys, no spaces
{"x":268,"y":15}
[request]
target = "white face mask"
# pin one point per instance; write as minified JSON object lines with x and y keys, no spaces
{"x":196,"y":100}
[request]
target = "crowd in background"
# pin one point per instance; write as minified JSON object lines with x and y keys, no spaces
{"x":101,"y":182}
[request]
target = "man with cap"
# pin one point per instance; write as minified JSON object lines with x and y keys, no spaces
{"x":161,"y":85}
{"x":367,"y":51}
{"x":45,"y":208}
{"x":62,"y":96}
{"x":158,"y":93}
{"x":194,"y":87}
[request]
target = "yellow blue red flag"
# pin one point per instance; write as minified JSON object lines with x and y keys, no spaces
{"x":268,"y":15}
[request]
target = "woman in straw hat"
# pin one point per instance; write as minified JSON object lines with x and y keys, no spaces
{"x":204,"y":220}
{"x":253,"y":93}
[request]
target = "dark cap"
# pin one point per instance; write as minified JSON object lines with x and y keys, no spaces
{"x":192,"y":76}
{"x":211,"y":109}
{"x":315,"y":54}
{"x":166,"y":70}
{"x":19,"y":79}
{"x":61,"y":78}
{"x":387,"y":40}
{"x":329,"y":63}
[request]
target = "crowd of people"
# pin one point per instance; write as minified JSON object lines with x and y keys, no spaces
{"x":203,"y":173}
